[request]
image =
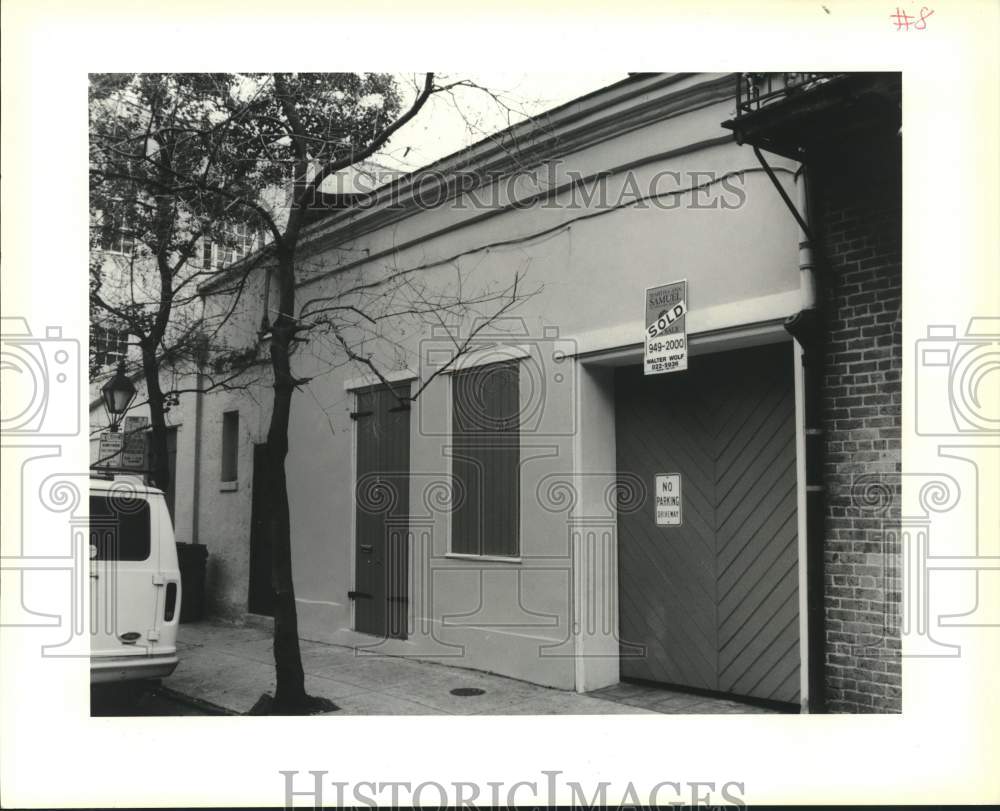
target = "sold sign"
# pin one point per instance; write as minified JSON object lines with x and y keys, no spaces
{"x":666,"y":319}
{"x":665,"y":347}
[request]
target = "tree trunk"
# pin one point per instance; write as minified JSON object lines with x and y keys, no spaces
{"x":290,"y":693}
{"x":159,"y":464}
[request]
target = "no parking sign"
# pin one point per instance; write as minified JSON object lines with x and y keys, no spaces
{"x":667,"y":497}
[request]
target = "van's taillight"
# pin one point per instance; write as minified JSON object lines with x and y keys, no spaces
{"x":171,"y":602}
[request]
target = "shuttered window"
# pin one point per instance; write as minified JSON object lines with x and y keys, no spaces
{"x":486,"y":454}
{"x":230,"y":446}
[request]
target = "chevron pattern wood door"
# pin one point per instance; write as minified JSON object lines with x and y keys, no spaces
{"x":714,"y":601}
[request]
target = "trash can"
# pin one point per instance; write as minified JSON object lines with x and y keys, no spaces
{"x":191,"y":560}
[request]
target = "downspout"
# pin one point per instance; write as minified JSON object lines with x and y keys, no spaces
{"x":196,"y":496}
{"x":806,"y":327}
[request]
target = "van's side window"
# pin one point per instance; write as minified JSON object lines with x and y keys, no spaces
{"x":119,"y":528}
{"x":230,"y":445}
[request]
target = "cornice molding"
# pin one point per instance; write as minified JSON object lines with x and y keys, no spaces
{"x":500,"y":163}
{"x":566,"y":130}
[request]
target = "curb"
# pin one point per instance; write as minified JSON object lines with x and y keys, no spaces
{"x":197,"y":703}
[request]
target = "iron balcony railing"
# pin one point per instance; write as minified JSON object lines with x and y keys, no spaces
{"x":757,"y":90}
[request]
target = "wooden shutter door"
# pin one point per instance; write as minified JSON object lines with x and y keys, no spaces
{"x":382,"y":522}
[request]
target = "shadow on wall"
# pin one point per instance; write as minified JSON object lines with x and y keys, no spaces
{"x":218,"y":602}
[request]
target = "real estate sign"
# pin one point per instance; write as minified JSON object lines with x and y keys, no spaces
{"x":665,"y":340}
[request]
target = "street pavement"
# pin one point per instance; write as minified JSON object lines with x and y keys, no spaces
{"x":227,"y":668}
{"x":143,"y":698}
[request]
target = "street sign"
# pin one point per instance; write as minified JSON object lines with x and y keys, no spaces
{"x":134,"y":452}
{"x":665,"y":339}
{"x":109,"y":449}
{"x":667,"y":497}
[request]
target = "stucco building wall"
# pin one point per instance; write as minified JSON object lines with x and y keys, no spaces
{"x":733,"y":242}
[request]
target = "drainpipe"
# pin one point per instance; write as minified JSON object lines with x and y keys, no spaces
{"x":806,"y":327}
{"x":198,"y":396}
{"x":807,"y":270}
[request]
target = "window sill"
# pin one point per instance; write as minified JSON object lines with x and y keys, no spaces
{"x":228,"y":487}
{"x":483,"y":558}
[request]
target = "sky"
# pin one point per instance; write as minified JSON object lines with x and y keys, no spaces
{"x":451,"y":122}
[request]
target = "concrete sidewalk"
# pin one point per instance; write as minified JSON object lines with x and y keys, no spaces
{"x":231,"y":666}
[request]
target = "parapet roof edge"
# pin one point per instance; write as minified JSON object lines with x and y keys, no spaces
{"x":482,"y":152}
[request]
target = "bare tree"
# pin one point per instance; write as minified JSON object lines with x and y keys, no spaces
{"x":258,"y":132}
{"x":148,"y":224}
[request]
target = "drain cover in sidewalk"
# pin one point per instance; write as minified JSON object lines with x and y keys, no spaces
{"x":467,"y":691}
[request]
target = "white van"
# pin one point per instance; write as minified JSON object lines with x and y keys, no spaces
{"x":135,"y":583}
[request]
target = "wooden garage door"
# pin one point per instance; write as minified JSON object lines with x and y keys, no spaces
{"x":713,"y":601}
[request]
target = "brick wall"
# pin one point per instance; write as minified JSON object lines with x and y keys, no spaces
{"x":857,"y":212}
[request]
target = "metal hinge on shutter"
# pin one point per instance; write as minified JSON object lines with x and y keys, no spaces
{"x":357,"y":415}
{"x":355,"y":595}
